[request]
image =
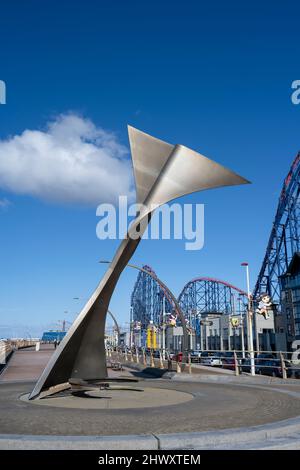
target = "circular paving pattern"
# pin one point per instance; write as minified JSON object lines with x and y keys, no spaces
{"x":115,"y":399}
{"x":214,"y":406}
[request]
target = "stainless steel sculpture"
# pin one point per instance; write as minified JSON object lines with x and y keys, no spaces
{"x":162,"y":172}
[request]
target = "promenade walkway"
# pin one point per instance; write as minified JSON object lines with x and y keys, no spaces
{"x":27,"y":364}
{"x":182,"y":403}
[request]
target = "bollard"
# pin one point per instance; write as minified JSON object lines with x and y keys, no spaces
{"x":283,"y":368}
{"x":151,"y":360}
{"x":131,"y":356}
{"x":236,"y":364}
{"x":144,"y":358}
{"x":178,"y":367}
{"x":189,"y":364}
{"x":137,"y":357}
{"x":161,"y":364}
{"x":126,"y":357}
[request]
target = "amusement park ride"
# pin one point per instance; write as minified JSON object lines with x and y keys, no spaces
{"x":284,"y":240}
{"x":203,"y":295}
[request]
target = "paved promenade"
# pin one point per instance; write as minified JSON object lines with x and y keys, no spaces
{"x":27,"y":364}
{"x":180,"y":404}
{"x":213,"y":406}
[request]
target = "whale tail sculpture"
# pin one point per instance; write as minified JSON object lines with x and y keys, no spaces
{"x":162,"y":173}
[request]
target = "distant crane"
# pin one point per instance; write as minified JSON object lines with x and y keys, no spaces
{"x":64,"y":323}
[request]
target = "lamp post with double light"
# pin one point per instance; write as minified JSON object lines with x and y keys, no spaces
{"x":249,"y":320}
{"x":242,"y":327}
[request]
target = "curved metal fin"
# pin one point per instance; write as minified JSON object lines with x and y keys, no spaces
{"x":183,"y":170}
{"x":188,"y":171}
{"x":149,"y":155}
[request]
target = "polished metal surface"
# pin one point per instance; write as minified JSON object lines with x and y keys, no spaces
{"x":162,"y":172}
{"x":116,"y":324}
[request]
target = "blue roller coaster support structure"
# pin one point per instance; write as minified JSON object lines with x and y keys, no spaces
{"x":205,"y":296}
{"x":284,"y":239}
{"x":200,"y":297}
{"x":147,"y":300}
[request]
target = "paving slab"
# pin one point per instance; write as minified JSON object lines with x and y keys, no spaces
{"x":213,"y":407}
{"x":27,"y":364}
{"x":221,"y":412}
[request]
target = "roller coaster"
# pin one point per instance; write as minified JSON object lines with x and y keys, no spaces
{"x":284,"y":240}
{"x":199,"y":297}
{"x":149,"y":300}
{"x":205,"y":295}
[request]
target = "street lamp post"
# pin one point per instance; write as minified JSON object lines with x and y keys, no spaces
{"x":249,"y":320}
{"x":256,"y":330}
{"x":242,"y":327}
{"x":221,"y":333}
{"x":164,"y":330}
{"x":232,"y":324}
{"x":131,"y":330}
{"x":229,"y":333}
{"x":201,"y":336}
{"x":162,"y":327}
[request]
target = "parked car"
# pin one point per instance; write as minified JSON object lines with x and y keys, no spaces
{"x":195,"y":356}
{"x":246,"y":365}
{"x":211,"y":359}
{"x":228,"y":360}
{"x":295,"y":372}
{"x":156,"y":354}
{"x":262,"y":357}
{"x":272,"y":367}
{"x":260,"y":360}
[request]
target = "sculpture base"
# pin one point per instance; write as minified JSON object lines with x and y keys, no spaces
{"x":82,"y":386}
{"x":117,"y":397}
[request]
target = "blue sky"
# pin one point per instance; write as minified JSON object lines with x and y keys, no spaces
{"x":214,"y":76}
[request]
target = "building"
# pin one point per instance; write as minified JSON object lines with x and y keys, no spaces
{"x":125,"y":339}
{"x":226,"y":332}
{"x":51,"y":336}
{"x":290,"y":301}
{"x":174,"y":338}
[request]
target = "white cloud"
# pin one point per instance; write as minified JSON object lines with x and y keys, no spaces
{"x":71,"y":161}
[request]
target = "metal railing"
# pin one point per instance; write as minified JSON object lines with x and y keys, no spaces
{"x":283,"y":364}
{"x":8,"y":346}
{"x":5,"y":350}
